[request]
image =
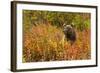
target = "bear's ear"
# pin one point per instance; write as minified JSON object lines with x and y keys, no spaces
{"x":72,"y":24}
{"x":64,"y":24}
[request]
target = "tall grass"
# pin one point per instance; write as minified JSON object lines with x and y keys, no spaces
{"x":47,"y":43}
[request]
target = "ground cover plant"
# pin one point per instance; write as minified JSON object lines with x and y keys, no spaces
{"x":44,"y":39}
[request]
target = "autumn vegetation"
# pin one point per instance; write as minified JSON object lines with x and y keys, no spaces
{"x":43,"y":37}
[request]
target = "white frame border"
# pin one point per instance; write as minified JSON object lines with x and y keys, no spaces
{"x":35,"y":65}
